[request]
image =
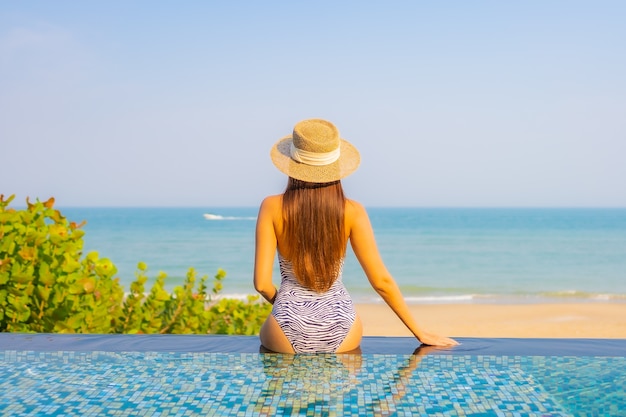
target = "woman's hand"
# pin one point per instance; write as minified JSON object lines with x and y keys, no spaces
{"x":436,"y":340}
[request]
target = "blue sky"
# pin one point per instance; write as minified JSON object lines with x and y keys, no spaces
{"x":457,"y":103}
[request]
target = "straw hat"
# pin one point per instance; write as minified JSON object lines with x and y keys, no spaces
{"x":315,"y":153}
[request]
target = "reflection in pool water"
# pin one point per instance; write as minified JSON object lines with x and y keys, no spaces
{"x":66,"y":378}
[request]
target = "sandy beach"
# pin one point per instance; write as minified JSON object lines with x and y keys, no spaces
{"x":564,"y":320}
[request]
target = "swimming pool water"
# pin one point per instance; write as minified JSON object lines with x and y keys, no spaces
{"x":484,"y":377}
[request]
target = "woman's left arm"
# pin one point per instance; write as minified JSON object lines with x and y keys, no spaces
{"x":265,"y":250}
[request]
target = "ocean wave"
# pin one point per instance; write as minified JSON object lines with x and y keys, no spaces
{"x":236,"y":296}
{"x":558,"y":296}
{"x":440,"y":298}
{"x":574,"y":294}
{"x":210,"y":216}
{"x":214,"y":297}
{"x":360,"y":297}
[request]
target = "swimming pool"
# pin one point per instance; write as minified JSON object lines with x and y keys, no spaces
{"x":165,"y":375}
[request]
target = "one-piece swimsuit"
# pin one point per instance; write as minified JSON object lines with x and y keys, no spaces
{"x":312,"y":322}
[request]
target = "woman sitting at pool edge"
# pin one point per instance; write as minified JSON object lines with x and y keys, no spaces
{"x":310,"y":225}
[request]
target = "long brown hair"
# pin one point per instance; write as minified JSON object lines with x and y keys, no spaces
{"x":314,"y":231}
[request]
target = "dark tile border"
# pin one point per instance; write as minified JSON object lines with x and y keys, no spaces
{"x":250,"y":344}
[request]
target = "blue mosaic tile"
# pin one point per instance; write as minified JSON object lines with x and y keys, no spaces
{"x":251,"y":384}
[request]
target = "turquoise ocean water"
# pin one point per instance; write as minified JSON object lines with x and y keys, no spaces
{"x":436,"y":255}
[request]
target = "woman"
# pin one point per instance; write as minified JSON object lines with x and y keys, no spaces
{"x":310,"y":225}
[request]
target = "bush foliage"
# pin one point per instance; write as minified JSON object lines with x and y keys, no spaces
{"x":47,"y":286}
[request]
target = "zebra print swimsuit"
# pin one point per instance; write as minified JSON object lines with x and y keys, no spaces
{"x":312,"y":322}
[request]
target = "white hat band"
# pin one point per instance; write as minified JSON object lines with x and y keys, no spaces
{"x":314,"y":158}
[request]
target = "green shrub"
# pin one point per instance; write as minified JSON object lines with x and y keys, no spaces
{"x":189,"y":309}
{"x":46,"y":287}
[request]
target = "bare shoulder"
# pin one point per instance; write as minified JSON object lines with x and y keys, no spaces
{"x":354,"y":208}
{"x":355,"y":212}
{"x":271,"y":207}
{"x":272,"y":202}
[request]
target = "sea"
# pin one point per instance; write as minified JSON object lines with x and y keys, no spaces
{"x":436,"y":255}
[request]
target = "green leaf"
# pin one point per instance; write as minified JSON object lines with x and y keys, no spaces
{"x":45,"y":276}
{"x":43,"y":292}
{"x":76,"y":288}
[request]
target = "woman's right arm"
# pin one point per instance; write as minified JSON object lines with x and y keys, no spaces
{"x":265,"y":249}
{"x":364,"y":246}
